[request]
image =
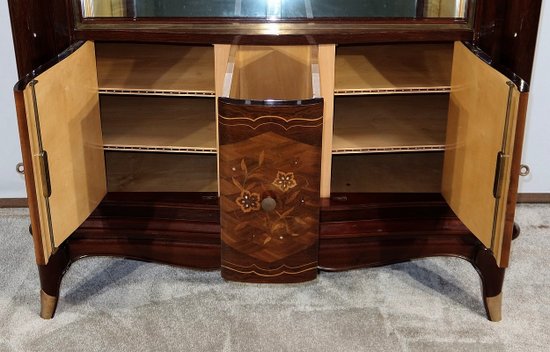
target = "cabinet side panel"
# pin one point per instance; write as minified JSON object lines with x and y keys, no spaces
{"x":26,"y":152}
{"x":67,"y":102}
{"x":270,"y":160}
{"x":41,"y":30}
{"x":478,"y":110}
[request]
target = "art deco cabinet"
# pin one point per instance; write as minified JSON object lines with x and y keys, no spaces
{"x":274,"y":148}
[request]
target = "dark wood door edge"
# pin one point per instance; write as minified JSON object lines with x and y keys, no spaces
{"x":534,"y":198}
{"x":13,"y":203}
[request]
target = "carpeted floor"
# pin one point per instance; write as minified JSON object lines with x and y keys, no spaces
{"x":427,"y":305}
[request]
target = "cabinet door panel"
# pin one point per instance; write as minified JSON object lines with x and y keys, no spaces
{"x":270,"y":161}
{"x":483,"y":112}
{"x":62,"y":107}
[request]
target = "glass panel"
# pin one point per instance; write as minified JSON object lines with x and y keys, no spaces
{"x":275,"y":9}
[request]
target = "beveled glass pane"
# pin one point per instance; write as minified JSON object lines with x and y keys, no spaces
{"x":275,"y":9}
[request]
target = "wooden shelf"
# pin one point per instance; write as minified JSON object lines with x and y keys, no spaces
{"x":168,"y":124}
{"x":396,"y":123}
{"x":393,"y":69}
{"x":160,"y":172}
{"x":154,"y":69}
{"x":394,"y":172}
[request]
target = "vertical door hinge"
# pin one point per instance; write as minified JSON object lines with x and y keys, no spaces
{"x":499,"y":175}
{"x":45,"y":174}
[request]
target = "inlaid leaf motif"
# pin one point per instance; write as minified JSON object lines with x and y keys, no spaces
{"x":293,"y":196}
{"x":267,"y":240}
{"x":261,"y":158}
{"x":241,"y":226}
{"x":238,"y":184}
{"x":287,"y":212}
{"x":243,"y":167}
{"x":300,"y":221}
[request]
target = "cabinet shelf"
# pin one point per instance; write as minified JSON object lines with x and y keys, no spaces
{"x":393,"y":69}
{"x":404,"y":123}
{"x":393,"y":173}
{"x":147,"y":69}
{"x":160,"y":172}
{"x":167,"y":124}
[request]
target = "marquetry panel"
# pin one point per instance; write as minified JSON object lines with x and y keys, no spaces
{"x":270,"y":151}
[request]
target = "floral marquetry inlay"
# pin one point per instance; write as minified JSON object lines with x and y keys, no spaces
{"x":285,"y":181}
{"x":269,"y":192}
{"x":248,"y":201}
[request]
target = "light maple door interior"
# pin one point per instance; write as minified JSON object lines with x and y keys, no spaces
{"x":62,"y":106}
{"x":483,"y":111}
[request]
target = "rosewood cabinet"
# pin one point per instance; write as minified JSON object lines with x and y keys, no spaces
{"x":272,"y":158}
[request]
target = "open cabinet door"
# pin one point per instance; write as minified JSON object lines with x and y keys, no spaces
{"x":64,"y":128}
{"x":483,"y":111}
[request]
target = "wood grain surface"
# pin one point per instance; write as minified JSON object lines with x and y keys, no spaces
{"x":477,"y":131}
{"x":393,"y":68}
{"x":70,"y":129}
{"x":169,"y":124}
{"x":155,"y":69}
{"x":270,"y":151}
{"x":393,"y":123}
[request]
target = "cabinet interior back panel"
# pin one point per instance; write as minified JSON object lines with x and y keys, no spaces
{"x":387,"y":172}
{"x":155,"y":69}
{"x":393,"y":68}
{"x":365,"y":124}
{"x":272,"y":72}
{"x":161,"y":172}
{"x":171,"y":124}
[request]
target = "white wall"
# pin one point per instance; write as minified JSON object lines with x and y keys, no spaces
{"x":12,"y":184}
{"x":536,"y":151}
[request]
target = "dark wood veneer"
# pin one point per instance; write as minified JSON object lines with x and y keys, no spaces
{"x":395,"y":228}
{"x":41,"y":30}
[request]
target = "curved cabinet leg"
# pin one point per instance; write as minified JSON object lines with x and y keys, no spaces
{"x":50,"y":281}
{"x":492,"y":279}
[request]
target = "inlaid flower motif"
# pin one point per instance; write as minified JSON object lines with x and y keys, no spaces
{"x":248,"y":201}
{"x":285,"y":181}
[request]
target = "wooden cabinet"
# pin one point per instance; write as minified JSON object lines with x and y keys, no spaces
{"x":272,"y":159}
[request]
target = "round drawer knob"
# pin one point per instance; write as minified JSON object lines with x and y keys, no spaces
{"x":524,"y":170}
{"x":269,"y":204}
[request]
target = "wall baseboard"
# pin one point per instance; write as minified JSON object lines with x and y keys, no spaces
{"x":534,"y":198}
{"x":13,"y":203}
{"x":522,"y":198}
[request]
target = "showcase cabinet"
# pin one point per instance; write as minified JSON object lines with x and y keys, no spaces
{"x":272,"y":160}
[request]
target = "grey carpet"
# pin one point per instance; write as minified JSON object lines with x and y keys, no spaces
{"x":427,"y":305}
